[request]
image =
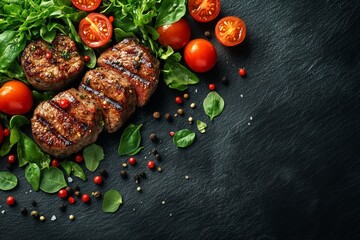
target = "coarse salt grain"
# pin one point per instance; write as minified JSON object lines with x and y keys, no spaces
{"x":70,"y":179}
{"x":53,"y":218}
{"x":163,"y":202}
{"x":3,"y":211}
{"x":251,"y":118}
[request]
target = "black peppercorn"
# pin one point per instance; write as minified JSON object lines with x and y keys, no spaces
{"x":23,"y":211}
{"x":77,"y":193}
{"x":76,"y":188}
{"x":143,"y":174}
{"x":123,"y":174}
{"x":168,"y":116}
{"x":104,"y":173}
{"x":154,"y":151}
{"x":33,"y":203}
{"x":68,"y":189}
{"x":136,"y":178}
{"x":62,"y":207}
{"x":153,"y":137}
{"x":207,"y":34}
{"x":157,"y":157}
{"x":224,"y":80}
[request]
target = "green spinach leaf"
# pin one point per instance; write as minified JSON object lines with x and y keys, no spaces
{"x":130,"y":141}
{"x":213,"y":105}
{"x":32,"y":175}
{"x":112,"y":201}
{"x":52,"y":180}
{"x":170,"y":12}
{"x":184,"y":138}
{"x":74,"y":169}
{"x":178,"y":77}
{"x":7,"y":181}
{"x":93,"y":155}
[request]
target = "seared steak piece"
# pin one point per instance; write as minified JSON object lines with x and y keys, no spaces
{"x":135,"y":62}
{"x":67,"y":123}
{"x":113,"y":93}
{"x":51,"y":67}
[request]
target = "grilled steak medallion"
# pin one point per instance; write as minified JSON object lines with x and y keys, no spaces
{"x":63,"y":129}
{"x":135,"y":62}
{"x":51,"y":67}
{"x":113,"y":93}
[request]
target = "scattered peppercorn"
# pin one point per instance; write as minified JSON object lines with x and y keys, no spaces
{"x":180,"y":111}
{"x":124,"y":164}
{"x":71,"y":200}
{"x":96,"y":194}
{"x":62,"y":207}
{"x":123,"y":174}
{"x":42,"y":218}
{"x":64,"y":103}
{"x":34,"y":214}
{"x":11,"y":159}
{"x":77,"y":193}
{"x":143,"y":174}
{"x":190,"y":119}
{"x":48,"y":55}
{"x":178,"y":100}
{"x":72,"y":217}
{"x":132,"y":161}
{"x":212,"y":86}
{"x":62,"y":193}
{"x":10,"y":200}
{"x":24,"y":211}
{"x":153,"y":137}
{"x":79,"y":158}
{"x":224,"y":80}
{"x":157,"y":157}
{"x":171,"y":134}
{"x":136,"y":178}
{"x":242,"y":72}
{"x":103,"y":173}
{"x":76,"y":188}
{"x":55,"y":163}
{"x":168,"y":116}
{"x":33,"y":203}
{"x":85,"y":198}
{"x":111,"y":19}
{"x":156,"y":115}
{"x":6,"y":132}
{"x":86,"y":58}
{"x":159,"y":169}
{"x":138,"y":189}
{"x":207,"y":34}
{"x":98,"y":180}
{"x":154,"y":151}
{"x":186,"y":95}
{"x":151,"y":164}
{"x":192,"y":105}
{"x":69,"y":189}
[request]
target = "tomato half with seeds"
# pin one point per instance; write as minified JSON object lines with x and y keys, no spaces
{"x":200,"y":55}
{"x":95,"y":30}
{"x":86,"y":5}
{"x":15,"y":98}
{"x":230,"y":31}
{"x":204,"y":10}
{"x":176,"y":35}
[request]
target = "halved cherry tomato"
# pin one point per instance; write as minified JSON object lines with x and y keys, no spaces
{"x":200,"y":55}
{"x":1,"y":134}
{"x":95,"y":30}
{"x":204,"y":10}
{"x":86,"y":5}
{"x":230,"y":31}
{"x":175,"y":35}
{"x":15,"y":98}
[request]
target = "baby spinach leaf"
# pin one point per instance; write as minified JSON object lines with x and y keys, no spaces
{"x":7,"y":181}
{"x":213,"y":105}
{"x":18,"y":121}
{"x":184,"y":138}
{"x":170,"y":12}
{"x":112,"y":201}
{"x":52,"y":180}
{"x":130,"y":140}
{"x":93,"y":155}
{"x":177,"y":76}
{"x":201,"y":126}
{"x":74,"y":169}
{"x":32,"y":175}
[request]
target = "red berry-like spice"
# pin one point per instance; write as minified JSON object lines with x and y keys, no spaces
{"x":178,"y":100}
{"x":48,"y":55}
{"x":55,"y":163}
{"x":79,"y":158}
{"x":86,"y":58}
{"x":212,"y":86}
{"x":6,"y":132}
{"x":98,"y":180}
{"x":62,"y":193}
{"x":11,"y":159}
{"x":132,"y":161}
{"x":71,"y":200}
{"x":85,"y":198}
{"x":64,"y":103}
{"x":151,"y":164}
{"x":10,"y":200}
{"x":242,"y":72}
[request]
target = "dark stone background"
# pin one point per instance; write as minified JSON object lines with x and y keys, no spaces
{"x":293,"y":173}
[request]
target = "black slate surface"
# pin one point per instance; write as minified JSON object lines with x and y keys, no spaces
{"x":281,"y":162}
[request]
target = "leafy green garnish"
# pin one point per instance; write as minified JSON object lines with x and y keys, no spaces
{"x":201,"y":126}
{"x":213,"y":105}
{"x":93,"y":155}
{"x":7,"y":181}
{"x":32,"y":175}
{"x":74,"y":169}
{"x":52,"y":180}
{"x":112,"y":201}
{"x":184,"y":138}
{"x":130,"y":141}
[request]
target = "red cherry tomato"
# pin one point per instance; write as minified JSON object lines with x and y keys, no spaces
{"x":204,"y":10}
{"x":98,"y":180}
{"x":87,"y":6}
{"x":175,"y":35}
{"x":62,"y":193}
{"x":200,"y":55}
{"x":95,"y":30}
{"x":230,"y":31}
{"x":1,"y":134}
{"x":15,"y":98}
{"x":10,"y":200}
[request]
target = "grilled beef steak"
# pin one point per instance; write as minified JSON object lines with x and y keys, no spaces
{"x":113,"y":93}
{"x":133,"y":61}
{"x":67,"y":123}
{"x":51,"y":67}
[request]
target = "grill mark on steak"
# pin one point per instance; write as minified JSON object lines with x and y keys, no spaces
{"x":102,"y":96}
{"x":117,"y":64}
{"x":53,"y":131}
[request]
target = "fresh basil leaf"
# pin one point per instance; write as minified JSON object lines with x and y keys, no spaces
{"x":213,"y":105}
{"x":93,"y":155}
{"x":201,"y":126}
{"x":52,"y":180}
{"x":130,"y":140}
{"x":7,"y":181}
{"x":112,"y":201}
{"x":170,"y":12}
{"x":74,"y":169}
{"x":32,"y":175}
{"x":177,"y":76}
{"x":184,"y":138}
